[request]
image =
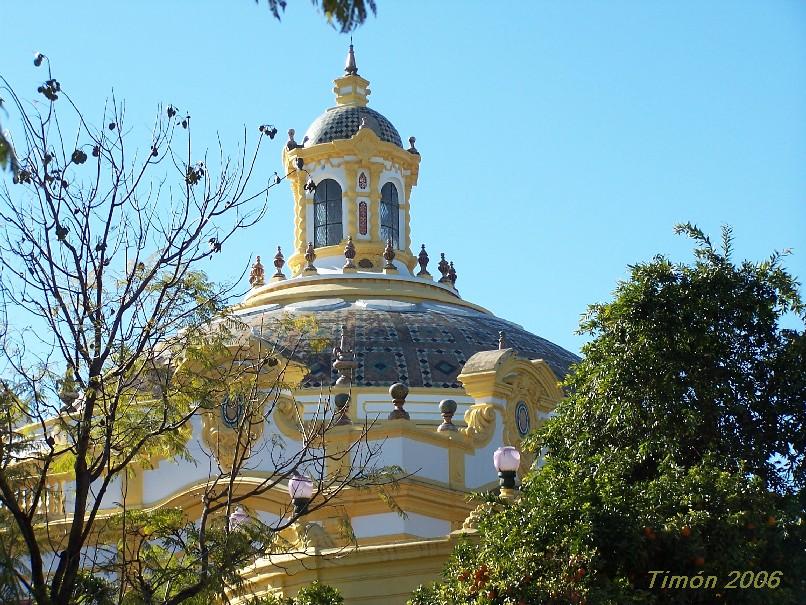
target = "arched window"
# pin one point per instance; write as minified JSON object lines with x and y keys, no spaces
{"x":390,"y":215}
{"x":327,"y":214}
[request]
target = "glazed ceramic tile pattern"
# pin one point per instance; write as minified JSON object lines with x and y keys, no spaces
{"x":344,"y":121}
{"x":420,"y":347}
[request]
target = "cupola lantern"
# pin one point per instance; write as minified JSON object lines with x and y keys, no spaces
{"x":359,"y":179}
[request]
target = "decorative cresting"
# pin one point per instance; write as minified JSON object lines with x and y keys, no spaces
{"x":361,"y":161}
{"x":521,"y":390}
{"x":235,"y":420}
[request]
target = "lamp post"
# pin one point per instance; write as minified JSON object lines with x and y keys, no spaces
{"x":507,"y":460}
{"x":237,"y":518}
{"x":300,"y":488}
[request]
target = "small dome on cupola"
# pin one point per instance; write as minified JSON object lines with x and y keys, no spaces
{"x":350,"y":112}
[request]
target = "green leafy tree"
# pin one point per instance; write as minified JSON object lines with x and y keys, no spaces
{"x":111,"y":340}
{"x":679,"y":451}
{"x":314,"y":594}
{"x":345,"y":15}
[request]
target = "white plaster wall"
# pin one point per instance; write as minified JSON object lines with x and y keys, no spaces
{"x":479,"y":469}
{"x":69,"y":491}
{"x":423,"y":459}
{"x":171,"y":475}
{"x":419,"y":406}
{"x":49,"y":561}
{"x":382,"y":524}
{"x":269,"y":519}
{"x":102,"y":553}
{"x":113,"y":496}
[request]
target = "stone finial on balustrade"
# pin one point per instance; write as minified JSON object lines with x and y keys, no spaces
{"x":349,"y":255}
{"x":279,"y":261}
{"x":452,"y":275}
{"x":399,"y":392}
{"x":342,"y":413}
{"x":389,"y":256}
{"x":502,"y":340}
{"x":444,"y":267}
{"x":310,"y":256}
{"x":257,"y":273}
{"x":447,"y":407}
{"x":423,"y":259}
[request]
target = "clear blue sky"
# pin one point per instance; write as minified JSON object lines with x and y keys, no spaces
{"x":560,"y":141}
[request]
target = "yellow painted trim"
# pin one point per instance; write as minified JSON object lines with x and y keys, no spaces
{"x":382,"y":574}
{"x":413,"y":495}
{"x":353,"y":82}
{"x":352,"y":288}
{"x":361,"y":152}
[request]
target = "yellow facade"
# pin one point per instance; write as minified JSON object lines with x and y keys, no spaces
{"x":405,"y":324}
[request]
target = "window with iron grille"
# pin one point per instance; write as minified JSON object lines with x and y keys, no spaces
{"x":390,"y":215}
{"x":327,"y":214}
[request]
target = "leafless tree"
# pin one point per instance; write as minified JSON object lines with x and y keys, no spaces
{"x":113,"y":339}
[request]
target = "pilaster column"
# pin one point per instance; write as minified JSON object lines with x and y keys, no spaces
{"x":375,"y":200}
{"x":349,"y":194}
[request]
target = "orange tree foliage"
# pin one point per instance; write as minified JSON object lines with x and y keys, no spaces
{"x":679,"y":450}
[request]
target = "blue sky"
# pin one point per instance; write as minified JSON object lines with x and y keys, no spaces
{"x":560,"y":141}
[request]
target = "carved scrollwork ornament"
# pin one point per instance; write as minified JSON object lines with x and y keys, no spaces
{"x":480,"y":420}
{"x":231,"y":428}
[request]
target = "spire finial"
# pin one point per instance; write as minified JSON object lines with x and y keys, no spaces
{"x":350,"y":68}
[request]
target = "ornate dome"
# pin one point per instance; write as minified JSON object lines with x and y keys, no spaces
{"x":343,"y":121}
{"x":423,"y":344}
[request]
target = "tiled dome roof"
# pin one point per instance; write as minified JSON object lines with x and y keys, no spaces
{"x":343,"y":121}
{"x":420,"y":344}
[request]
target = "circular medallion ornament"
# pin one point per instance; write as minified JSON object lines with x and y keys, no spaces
{"x":522,"y":419}
{"x":232,"y":410}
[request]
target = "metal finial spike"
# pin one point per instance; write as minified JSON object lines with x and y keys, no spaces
{"x":502,"y":341}
{"x":349,"y":67}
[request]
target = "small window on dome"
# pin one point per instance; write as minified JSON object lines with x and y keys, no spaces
{"x":390,"y":215}
{"x":327,"y":214}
